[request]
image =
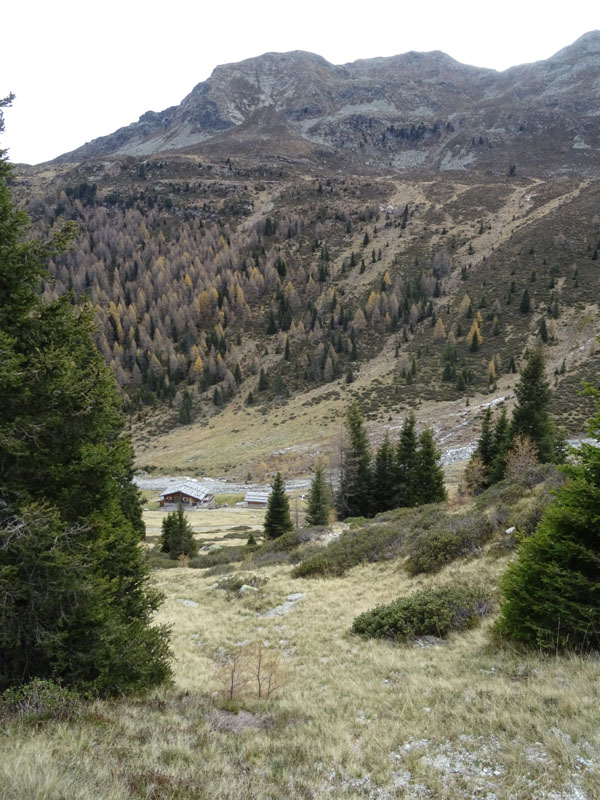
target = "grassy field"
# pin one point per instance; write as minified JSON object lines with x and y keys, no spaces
{"x":347,"y":717}
{"x":208,"y":524}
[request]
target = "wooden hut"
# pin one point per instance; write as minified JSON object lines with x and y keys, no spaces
{"x":189,"y":493}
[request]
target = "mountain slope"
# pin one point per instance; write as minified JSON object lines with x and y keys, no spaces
{"x":283,"y":265}
{"x":407,"y":111}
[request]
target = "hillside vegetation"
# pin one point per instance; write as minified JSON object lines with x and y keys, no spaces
{"x":214,"y":293}
{"x":344,"y":716}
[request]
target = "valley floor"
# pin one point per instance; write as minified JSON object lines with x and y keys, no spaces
{"x":347,"y":718}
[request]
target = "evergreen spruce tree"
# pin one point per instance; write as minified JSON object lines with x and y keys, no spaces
{"x":263,"y":381}
{"x":384,"y":483}
{"x":277,"y":519}
{"x":405,"y":464}
{"x":177,"y":536}
{"x":552,"y":593}
{"x":76,"y":605}
{"x":429,"y":476}
{"x":501,"y":447}
{"x":486,"y":446}
{"x":185,"y":410}
{"x":355,"y":495}
{"x":319,"y":500}
{"x":531,"y":416}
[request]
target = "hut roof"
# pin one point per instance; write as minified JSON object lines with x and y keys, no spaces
{"x":189,"y":488}
{"x":260,"y":496}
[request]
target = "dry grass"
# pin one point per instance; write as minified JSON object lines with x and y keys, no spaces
{"x":354,"y":719}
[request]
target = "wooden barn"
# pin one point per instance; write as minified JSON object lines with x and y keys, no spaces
{"x":189,"y":493}
{"x":257,"y":498}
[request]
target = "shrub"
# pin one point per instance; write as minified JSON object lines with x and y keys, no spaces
{"x":429,"y":612}
{"x":161,"y":561}
{"x":372,"y":543}
{"x":431,"y":550}
{"x":225,"y":555}
{"x":286,"y":542}
{"x":233,"y":583}
{"x":39,"y":700}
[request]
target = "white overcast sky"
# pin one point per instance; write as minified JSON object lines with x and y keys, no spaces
{"x":83,"y":69}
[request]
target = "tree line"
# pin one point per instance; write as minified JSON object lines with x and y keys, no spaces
{"x":403,"y":474}
{"x":530,"y":428}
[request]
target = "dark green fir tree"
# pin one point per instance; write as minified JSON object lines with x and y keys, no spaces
{"x":531,"y":416}
{"x":277,"y":519}
{"x":405,"y":464}
{"x":552,"y":593}
{"x":356,"y":480}
{"x":177,"y":536}
{"x":429,"y":476}
{"x":384,"y":478}
{"x":76,"y":606}
{"x":319,"y":499}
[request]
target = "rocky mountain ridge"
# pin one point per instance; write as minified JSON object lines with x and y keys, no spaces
{"x":405,"y":112}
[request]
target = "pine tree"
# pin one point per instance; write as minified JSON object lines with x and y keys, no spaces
{"x":319,"y":500}
{"x":277,"y":519}
{"x":405,"y":464}
{"x":355,"y":495}
{"x":76,"y":605}
{"x":531,"y":416}
{"x":177,"y":536}
{"x":552,"y":593}
{"x":429,"y":476}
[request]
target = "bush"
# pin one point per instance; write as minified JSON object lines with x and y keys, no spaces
{"x":233,"y":583}
{"x":39,"y":700}
{"x":373,"y":542}
{"x":161,"y":561}
{"x":224,"y":555}
{"x":431,"y":550}
{"x":429,"y":612}
{"x":284,"y":543}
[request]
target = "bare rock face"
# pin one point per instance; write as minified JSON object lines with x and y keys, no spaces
{"x":416,"y":110}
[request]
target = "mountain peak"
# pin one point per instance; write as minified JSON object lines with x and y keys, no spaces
{"x":413,"y":110}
